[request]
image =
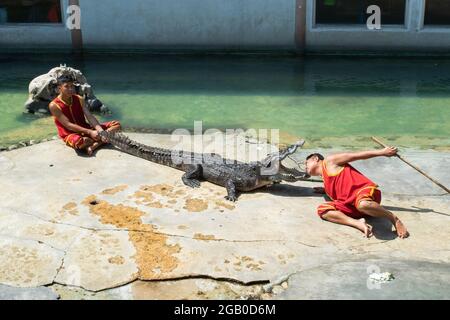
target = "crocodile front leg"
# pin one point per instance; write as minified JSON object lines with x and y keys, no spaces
{"x":231,"y":190}
{"x":191,"y":177}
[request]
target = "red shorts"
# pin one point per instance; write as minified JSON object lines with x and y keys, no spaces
{"x":351,"y":208}
{"x":75,"y":140}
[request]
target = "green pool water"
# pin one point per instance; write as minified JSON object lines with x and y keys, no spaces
{"x":327,"y":100}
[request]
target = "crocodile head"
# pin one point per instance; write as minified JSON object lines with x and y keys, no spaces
{"x":273,"y":169}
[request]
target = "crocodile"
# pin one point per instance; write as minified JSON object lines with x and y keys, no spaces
{"x":234,"y":175}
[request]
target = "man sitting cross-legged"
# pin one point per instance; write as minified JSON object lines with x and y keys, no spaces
{"x":70,"y":113}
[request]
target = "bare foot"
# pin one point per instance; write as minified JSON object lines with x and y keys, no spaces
{"x":90,"y":150}
{"x":401,"y":229}
{"x":365,"y":228}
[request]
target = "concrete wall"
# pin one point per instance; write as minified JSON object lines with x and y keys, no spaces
{"x":166,"y":24}
{"x":413,"y":36}
{"x":225,"y":25}
{"x":39,"y":35}
{"x":188,"y":23}
{"x":42,"y":35}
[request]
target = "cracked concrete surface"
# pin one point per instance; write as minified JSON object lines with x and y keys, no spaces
{"x":118,"y":227}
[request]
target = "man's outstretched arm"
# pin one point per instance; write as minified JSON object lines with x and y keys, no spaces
{"x":342,"y":158}
{"x":90,"y":117}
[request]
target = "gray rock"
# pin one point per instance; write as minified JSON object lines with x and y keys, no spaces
{"x":13,"y":147}
{"x":39,"y":293}
{"x":32,"y":142}
{"x":105,"y":110}
{"x":42,"y":90}
{"x":23,"y":144}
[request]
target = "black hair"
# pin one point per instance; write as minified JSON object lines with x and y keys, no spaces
{"x":63,"y":79}
{"x":318,"y":155}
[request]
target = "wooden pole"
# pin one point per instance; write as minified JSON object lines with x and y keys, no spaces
{"x":413,"y":166}
{"x":300,"y":25}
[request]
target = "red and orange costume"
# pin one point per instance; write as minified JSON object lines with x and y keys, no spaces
{"x":74,"y":112}
{"x":347,"y":188}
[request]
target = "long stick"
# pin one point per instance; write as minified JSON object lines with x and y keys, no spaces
{"x":413,"y":166}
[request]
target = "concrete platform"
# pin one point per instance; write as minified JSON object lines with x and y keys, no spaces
{"x":104,"y":226}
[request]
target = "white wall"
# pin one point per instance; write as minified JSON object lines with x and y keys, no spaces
{"x":222,"y":25}
{"x":188,"y":23}
{"x":413,"y":36}
{"x":39,"y":35}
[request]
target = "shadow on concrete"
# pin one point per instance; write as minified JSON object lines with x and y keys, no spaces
{"x":83,"y":154}
{"x":382,"y":228}
{"x":415,"y":210}
{"x":287,"y":190}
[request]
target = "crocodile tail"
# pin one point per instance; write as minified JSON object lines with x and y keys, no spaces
{"x":124,"y":143}
{"x":121,"y":141}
